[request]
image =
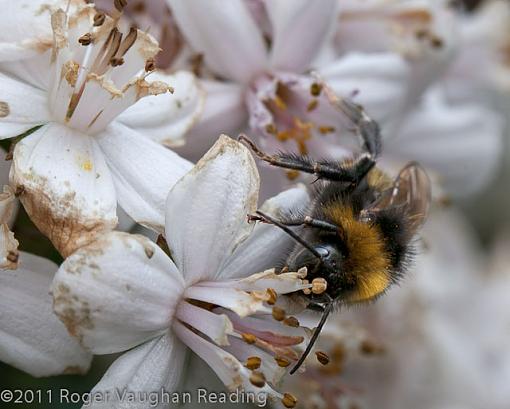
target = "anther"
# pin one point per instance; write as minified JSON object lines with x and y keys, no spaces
{"x":271,"y":129}
{"x":289,"y":400}
{"x":99,"y":19}
{"x":326,"y":129}
{"x":116,"y":61}
{"x":291,"y":322}
{"x":368,"y":347}
{"x":12,"y":256}
{"x":85,"y":39}
{"x":278,"y":313}
{"x":322,"y":357}
{"x":281,"y":361}
{"x":248,"y":338}
{"x":253,"y":362}
{"x":319,"y":285}
{"x":150,"y":65}
{"x":257,"y":379}
{"x":315,"y":89}
{"x":120,"y":4}
{"x":272,"y":296}
{"x":312,"y":105}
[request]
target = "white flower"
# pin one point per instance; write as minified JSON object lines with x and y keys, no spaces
{"x":84,"y":150}
{"x":32,"y":337}
{"x":123,"y":292}
{"x":272,"y":45}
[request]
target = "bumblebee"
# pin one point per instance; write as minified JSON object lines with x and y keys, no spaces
{"x":358,"y":232}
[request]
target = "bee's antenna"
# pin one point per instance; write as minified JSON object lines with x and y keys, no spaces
{"x":315,"y":336}
{"x":267,"y":219}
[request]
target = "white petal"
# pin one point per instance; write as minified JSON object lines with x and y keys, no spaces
{"x":66,"y":186}
{"x":206,"y":210}
{"x":143,"y":173}
{"x":35,"y":70}
{"x":267,"y":244}
{"x":224,"y":112}
{"x":300,"y":28}
{"x":209,"y":25}
{"x":461,"y":143}
{"x":151,"y":367}
{"x":166,"y":118}
{"x":117,"y":292}
{"x":26,"y":28}
{"x":31,"y":337}
{"x":22,"y":107}
{"x":378,"y":80}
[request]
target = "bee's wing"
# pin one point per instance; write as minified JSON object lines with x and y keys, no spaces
{"x":411,"y":190}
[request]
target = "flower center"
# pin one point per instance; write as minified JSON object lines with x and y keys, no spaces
{"x":99,"y":70}
{"x":283,"y":108}
{"x":243,"y":330}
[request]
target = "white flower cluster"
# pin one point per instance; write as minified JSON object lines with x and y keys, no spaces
{"x":107,"y":123}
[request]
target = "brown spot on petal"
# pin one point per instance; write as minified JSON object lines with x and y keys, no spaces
{"x":73,"y":312}
{"x":4,"y":109}
{"x":58,"y":217}
{"x":74,"y":370}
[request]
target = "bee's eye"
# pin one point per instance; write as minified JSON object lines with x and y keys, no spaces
{"x":323,"y":251}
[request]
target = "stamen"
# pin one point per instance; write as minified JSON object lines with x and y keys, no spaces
{"x":271,"y":129}
{"x":281,"y":361}
{"x":280,"y":103}
{"x":99,"y":19}
{"x":319,"y":285}
{"x":312,"y":105}
{"x":271,"y":296}
{"x":292,"y":174}
{"x":150,"y":65}
{"x":85,"y":39}
{"x":322,"y":357}
{"x":116,"y":61}
{"x":249,"y":338}
{"x":291,"y":322}
{"x":325,"y":129}
{"x":253,"y":362}
{"x":289,"y":400}
{"x":315,"y":89}
{"x":128,"y":42}
{"x":120,"y":4}
{"x":278,"y":313}
{"x":257,"y":379}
